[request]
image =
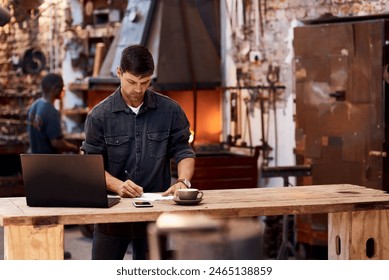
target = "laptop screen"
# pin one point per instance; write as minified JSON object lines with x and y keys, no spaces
{"x":64,"y":180}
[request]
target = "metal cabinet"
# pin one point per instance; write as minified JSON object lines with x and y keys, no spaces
{"x":341,"y":96}
{"x":340,"y":101}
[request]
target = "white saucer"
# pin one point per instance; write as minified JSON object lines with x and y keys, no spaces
{"x":187,"y":201}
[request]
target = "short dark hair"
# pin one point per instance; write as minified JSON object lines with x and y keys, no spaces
{"x":137,"y":60}
{"x":52,"y":83}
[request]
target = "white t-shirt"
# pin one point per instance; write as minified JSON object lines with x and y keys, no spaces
{"x":136,"y":109}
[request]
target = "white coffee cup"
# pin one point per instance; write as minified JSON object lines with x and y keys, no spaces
{"x":189,"y":194}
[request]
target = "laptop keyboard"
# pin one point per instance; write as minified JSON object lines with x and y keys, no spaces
{"x":113,"y":200}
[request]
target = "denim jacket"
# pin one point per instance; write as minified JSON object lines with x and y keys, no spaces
{"x":139,"y":145}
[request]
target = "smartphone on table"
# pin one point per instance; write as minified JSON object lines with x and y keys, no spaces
{"x":142,"y":204}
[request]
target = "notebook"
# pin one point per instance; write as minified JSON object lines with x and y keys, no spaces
{"x":65,"y":180}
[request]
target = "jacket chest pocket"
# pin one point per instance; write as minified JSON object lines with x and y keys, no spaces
{"x":157,"y":143}
{"x":117,"y":148}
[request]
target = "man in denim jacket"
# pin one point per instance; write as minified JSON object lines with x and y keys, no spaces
{"x":137,"y":131}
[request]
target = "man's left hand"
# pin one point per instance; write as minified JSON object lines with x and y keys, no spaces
{"x":173,"y":190}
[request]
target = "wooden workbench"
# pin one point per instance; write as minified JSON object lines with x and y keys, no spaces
{"x":357,"y":216}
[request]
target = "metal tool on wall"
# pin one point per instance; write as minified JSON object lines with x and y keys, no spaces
{"x":258,"y":95}
{"x":273,"y":77}
{"x":32,"y":61}
{"x":266,"y":148}
{"x":239,"y":74}
{"x":247,"y":125}
{"x":5,"y":16}
{"x":234,"y":118}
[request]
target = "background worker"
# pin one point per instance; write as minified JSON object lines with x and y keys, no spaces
{"x":44,"y":120}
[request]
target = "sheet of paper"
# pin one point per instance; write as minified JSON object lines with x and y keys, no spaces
{"x":154,"y":197}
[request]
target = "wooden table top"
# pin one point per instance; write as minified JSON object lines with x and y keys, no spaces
{"x":215,"y":203}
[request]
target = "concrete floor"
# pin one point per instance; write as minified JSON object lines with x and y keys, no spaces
{"x":76,"y":243}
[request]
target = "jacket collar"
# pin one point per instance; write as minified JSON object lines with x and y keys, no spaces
{"x":120,"y":105}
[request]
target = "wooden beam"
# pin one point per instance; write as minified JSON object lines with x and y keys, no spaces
{"x":34,"y":242}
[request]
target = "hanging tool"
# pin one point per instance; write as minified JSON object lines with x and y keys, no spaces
{"x":261,"y":19}
{"x":234,"y":116}
{"x":246,"y":18}
{"x":247,"y":125}
{"x":272,"y":77}
{"x":238,"y":128}
{"x":265,"y":147}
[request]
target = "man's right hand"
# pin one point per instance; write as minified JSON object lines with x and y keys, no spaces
{"x":124,"y":189}
{"x":130,"y":189}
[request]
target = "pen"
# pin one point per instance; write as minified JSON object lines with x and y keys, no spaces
{"x":128,"y":174}
{"x":130,"y":178}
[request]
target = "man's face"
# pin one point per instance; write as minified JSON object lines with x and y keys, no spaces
{"x":133,"y":88}
{"x":58,"y":92}
{"x":61,"y":94}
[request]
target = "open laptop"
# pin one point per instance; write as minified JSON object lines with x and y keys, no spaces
{"x":65,"y":180}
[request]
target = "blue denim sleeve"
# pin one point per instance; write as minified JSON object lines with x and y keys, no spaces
{"x":179,"y":139}
{"x":94,"y":139}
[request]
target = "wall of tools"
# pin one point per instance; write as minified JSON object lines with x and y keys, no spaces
{"x":259,"y":94}
{"x":257,"y":88}
{"x":30,"y":46}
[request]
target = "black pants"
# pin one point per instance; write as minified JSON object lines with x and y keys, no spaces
{"x":110,"y":241}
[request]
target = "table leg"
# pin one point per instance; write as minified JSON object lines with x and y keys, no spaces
{"x":358,"y":235}
{"x":34,"y":242}
{"x":287,"y":248}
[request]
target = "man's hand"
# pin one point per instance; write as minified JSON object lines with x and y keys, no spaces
{"x":185,"y":169}
{"x":129,"y":189}
{"x":124,"y":189}
{"x":173,"y":190}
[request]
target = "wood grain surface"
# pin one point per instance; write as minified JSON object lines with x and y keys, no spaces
{"x":215,"y":203}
